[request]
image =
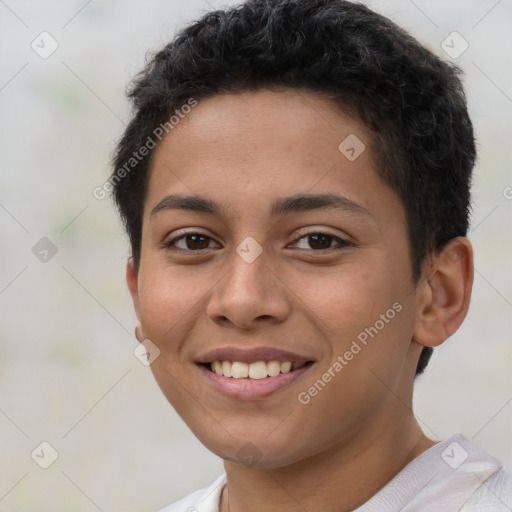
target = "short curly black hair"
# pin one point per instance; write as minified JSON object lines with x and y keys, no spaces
{"x":412,"y":101}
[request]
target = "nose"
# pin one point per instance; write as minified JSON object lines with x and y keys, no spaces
{"x":250,"y":294}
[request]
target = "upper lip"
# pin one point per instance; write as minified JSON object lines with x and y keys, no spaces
{"x":251,"y":355}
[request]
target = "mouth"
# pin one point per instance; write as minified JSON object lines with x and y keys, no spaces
{"x":252,"y":374}
{"x":257,"y":370}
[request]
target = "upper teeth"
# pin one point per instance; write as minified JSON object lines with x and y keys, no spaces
{"x":258,"y":370}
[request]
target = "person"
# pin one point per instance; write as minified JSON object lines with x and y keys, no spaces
{"x":295,"y":184}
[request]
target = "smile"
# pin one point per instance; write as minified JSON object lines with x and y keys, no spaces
{"x":252,"y":381}
{"x":257,"y":370}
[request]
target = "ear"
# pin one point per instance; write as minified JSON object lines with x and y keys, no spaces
{"x":133,"y":286}
{"x":444,"y":295}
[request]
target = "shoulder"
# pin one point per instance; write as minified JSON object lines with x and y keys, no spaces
{"x":494,"y":495}
{"x":202,"y":500}
{"x":453,"y":476}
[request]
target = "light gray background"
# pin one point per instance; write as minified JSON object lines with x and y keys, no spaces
{"x":67,"y":372}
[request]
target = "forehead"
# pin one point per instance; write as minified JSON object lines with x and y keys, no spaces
{"x":251,"y":147}
{"x":301,"y":122}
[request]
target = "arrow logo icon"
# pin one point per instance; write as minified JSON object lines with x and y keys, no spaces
{"x":351,"y":147}
{"x":249,"y":454}
{"x":44,"y":250}
{"x":249,"y":249}
{"x":44,"y":455}
{"x":454,"y":455}
{"x":146,"y":352}
{"x":44,"y":45}
{"x":454,"y":45}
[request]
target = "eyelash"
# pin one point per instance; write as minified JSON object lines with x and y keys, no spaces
{"x":342,"y":244}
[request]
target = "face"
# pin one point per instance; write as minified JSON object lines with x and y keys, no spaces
{"x":294,"y":251}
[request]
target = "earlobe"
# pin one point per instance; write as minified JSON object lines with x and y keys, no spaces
{"x":132,"y":282}
{"x":137,"y":332}
{"x":131,"y":277}
{"x":443,"y":297}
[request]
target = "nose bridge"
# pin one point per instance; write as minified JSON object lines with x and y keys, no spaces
{"x":247,"y":277}
{"x":248,"y":291}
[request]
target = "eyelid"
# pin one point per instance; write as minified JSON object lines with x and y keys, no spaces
{"x":315,"y":230}
{"x":342,"y":242}
{"x":305,"y":232}
{"x":166,"y":244}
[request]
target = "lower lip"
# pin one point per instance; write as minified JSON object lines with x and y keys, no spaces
{"x":252,"y":389}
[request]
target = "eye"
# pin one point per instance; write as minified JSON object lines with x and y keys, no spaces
{"x":319,"y":241}
{"x":189,"y":242}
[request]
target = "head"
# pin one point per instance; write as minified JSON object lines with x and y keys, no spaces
{"x":274,"y":99}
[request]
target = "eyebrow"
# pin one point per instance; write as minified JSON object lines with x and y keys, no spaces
{"x":280,"y":207}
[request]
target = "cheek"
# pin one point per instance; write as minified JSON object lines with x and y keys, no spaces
{"x":365,"y":314}
{"x":346,"y":301}
{"x":168,"y":296}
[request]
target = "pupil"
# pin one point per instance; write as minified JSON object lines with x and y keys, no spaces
{"x":194,"y":239}
{"x":323,"y":238}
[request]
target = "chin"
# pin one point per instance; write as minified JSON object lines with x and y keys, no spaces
{"x":259,"y":452}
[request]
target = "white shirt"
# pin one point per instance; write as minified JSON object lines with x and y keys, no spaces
{"x":452,"y":476}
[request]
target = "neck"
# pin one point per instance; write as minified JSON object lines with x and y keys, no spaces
{"x":338,"y":480}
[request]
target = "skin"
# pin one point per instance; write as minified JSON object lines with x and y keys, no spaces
{"x":244,"y":151}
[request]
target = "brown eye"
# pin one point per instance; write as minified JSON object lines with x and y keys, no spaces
{"x":321,"y":242}
{"x":196,"y":241}
{"x":189,"y":242}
